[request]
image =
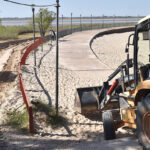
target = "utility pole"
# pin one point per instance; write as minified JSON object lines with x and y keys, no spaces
{"x":57,"y":56}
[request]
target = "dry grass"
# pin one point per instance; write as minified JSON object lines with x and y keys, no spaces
{"x":51,"y":117}
{"x":30,"y":35}
{"x":7,"y":33}
{"x":18,"y":120}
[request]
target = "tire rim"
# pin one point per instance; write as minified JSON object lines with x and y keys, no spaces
{"x":146,"y":125}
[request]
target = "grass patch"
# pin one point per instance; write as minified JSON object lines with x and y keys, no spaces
{"x":26,"y":32}
{"x":18,"y":120}
{"x":7,"y":33}
{"x":30,"y":35}
{"x":52,"y":118}
{"x":18,"y":32}
{"x":89,"y":26}
{"x":56,"y":121}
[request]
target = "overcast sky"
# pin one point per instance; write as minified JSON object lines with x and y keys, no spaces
{"x":84,"y":7}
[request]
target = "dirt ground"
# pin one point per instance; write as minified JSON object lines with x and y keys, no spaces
{"x":109,"y":48}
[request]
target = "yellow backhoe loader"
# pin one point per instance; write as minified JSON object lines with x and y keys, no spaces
{"x":128,"y":95}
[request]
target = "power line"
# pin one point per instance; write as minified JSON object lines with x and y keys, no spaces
{"x":57,"y":45}
{"x":31,"y":5}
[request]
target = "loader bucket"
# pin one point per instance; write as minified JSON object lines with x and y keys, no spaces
{"x":86,"y":100}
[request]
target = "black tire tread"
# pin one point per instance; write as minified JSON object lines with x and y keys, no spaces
{"x":108,"y":125}
{"x":143,"y":107}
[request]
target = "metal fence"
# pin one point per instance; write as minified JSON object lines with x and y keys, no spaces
{"x":65,"y":32}
{"x":70,"y":25}
{"x":77,"y":24}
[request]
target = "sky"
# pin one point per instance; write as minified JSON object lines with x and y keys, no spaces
{"x":83,"y":7}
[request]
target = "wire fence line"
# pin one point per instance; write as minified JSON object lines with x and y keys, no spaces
{"x":30,"y":5}
{"x":69,"y":25}
{"x":65,"y":32}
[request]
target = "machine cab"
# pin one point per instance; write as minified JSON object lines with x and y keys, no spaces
{"x":142,"y":50}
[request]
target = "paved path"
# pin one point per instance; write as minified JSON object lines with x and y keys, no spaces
{"x":75,"y":52}
{"x":76,"y":55}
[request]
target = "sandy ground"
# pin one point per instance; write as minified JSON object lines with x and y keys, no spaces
{"x":110,"y":50}
{"x":9,"y":86}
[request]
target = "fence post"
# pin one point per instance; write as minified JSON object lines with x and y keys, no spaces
{"x":33,"y":10}
{"x":80,"y":22}
{"x":62,"y":22}
{"x":103,"y":21}
{"x":57,"y":57}
{"x":99,"y":22}
{"x":41,"y":28}
{"x":91,"y":21}
{"x":113,"y":20}
{"x":71,"y":23}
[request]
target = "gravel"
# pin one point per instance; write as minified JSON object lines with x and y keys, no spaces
{"x":110,"y":50}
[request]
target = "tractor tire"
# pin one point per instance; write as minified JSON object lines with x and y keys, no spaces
{"x":108,"y":125}
{"x":143,"y":122}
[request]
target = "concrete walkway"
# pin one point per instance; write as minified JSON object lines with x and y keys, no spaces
{"x":75,"y":52}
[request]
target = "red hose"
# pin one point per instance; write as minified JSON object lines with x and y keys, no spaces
{"x":112,"y":87}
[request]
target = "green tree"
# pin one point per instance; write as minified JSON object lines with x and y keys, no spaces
{"x":44,"y":19}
